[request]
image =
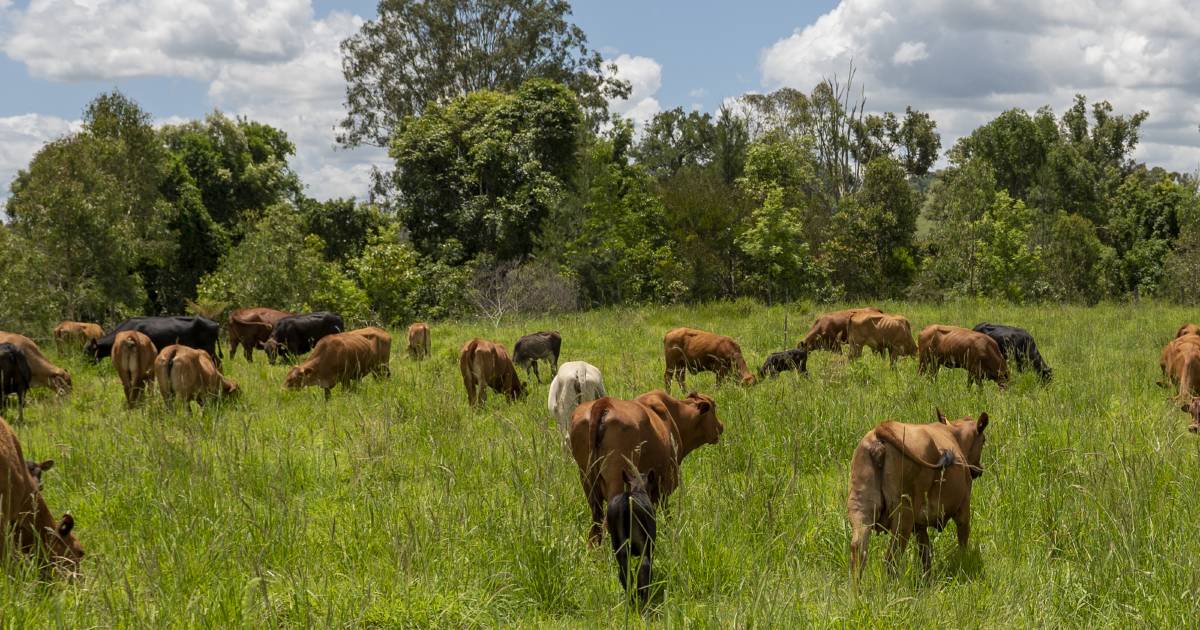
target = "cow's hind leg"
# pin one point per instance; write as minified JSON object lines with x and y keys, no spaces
{"x":536,"y":373}
{"x":925,"y":548}
{"x":595,"y":499}
{"x":900,"y":532}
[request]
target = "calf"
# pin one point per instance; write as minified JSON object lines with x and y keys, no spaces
{"x":653,"y":432}
{"x":75,"y":335}
{"x":341,"y":358}
{"x":37,"y":468}
{"x":692,"y":350}
{"x":882,"y":332}
{"x":1017,"y":346}
{"x":831,"y":330}
{"x":133,"y":356}
{"x":632,"y":528}
{"x":15,"y":376}
{"x":25,"y":521}
{"x":188,"y":374}
{"x":539,"y":345}
{"x":43,"y":373}
{"x":298,"y":334}
{"x":193,"y":332}
{"x":576,"y":382}
{"x":418,"y":341}
{"x":955,"y":347}
{"x":796,"y":359}
{"x":484,"y":364}
{"x":250,"y":328}
{"x":910,"y":477}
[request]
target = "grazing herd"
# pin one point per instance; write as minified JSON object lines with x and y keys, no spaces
{"x":904,"y":478}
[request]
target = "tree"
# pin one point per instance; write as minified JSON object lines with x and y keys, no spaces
{"x":343,"y":225}
{"x":403,"y":286}
{"x":673,"y":140}
{"x":485,"y":169}
{"x":873,"y":251}
{"x":419,"y":53}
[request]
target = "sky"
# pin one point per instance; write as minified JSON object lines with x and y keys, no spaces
{"x":277,"y":61}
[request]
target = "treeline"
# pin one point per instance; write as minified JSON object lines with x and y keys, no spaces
{"x":514,"y":189}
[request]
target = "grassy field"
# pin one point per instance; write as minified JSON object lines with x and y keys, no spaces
{"x":394,"y":505}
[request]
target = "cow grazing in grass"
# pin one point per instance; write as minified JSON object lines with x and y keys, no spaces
{"x":133,"y":356}
{"x":186,"y":374}
{"x":692,"y":350}
{"x":611,"y":437}
{"x":250,"y":328}
{"x":1180,"y":364}
{"x":906,"y":478}
{"x":632,"y":529}
{"x":543,"y":346}
{"x":956,"y":347}
{"x":1187,"y":329}
{"x":485,"y":364}
{"x":882,"y":332}
{"x":15,"y":376}
{"x":576,"y":383}
{"x":1018,"y":347}
{"x":418,"y":341}
{"x":194,"y":332}
{"x":795,"y":359}
{"x":42,"y":372}
{"x":338,"y":359}
{"x":25,"y":521}
{"x":831,"y":330}
{"x":298,"y":334}
{"x":73,"y":336}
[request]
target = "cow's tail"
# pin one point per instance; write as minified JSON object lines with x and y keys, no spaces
{"x":887,"y":433}
{"x":171,"y":363}
{"x":599,"y":412}
{"x":1185,"y":384}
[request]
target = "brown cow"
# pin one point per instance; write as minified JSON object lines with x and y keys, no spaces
{"x":882,"y":332}
{"x":1187,"y":329}
{"x":382,"y":343}
{"x":340,"y":358}
{"x":653,"y":432}
{"x":24,"y":517}
{"x":418,"y":341}
{"x":906,"y":477}
{"x":251,"y":328}
{"x":74,"y":335}
{"x":44,"y":373}
{"x":692,"y":350}
{"x":485,"y":364}
{"x":190,"y":374}
{"x":831,"y":330}
{"x":133,"y":356}
{"x":1180,"y":363}
{"x":956,"y":347}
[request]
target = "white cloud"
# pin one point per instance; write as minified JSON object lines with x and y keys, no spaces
{"x":965,"y":62}
{"x":269,"y":60}
{"x":645,"y":78}
{"x":21,"y":137}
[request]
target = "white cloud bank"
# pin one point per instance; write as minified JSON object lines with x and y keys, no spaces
{"x":965,"y":62}
{"x":645,"y":78}
{"x":270,"y":60}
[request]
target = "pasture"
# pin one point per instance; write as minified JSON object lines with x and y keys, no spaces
{"x":394,"y":505}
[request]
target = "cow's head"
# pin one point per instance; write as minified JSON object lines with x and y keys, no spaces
{"x":705,"y":420}
{"x":1187,"y":329}
{"x":37,"y":468}
{"x":1046,"y":373}
{"x":300,"y":376}
{"x":969,"y":434}
{"x":272,"y":348}
{"x":92,"y":350}
{"x":637,"y":483}
{"x":1193,"y":408}
{"x":229,"y":388}
{"x":65,"y":550}
{"x":61,"y":382}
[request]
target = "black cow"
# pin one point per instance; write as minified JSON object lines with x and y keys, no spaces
{"x":1017,"y":345}
{"x":37,"y":468}
{"x":796,"y":359}
{"x":539,"y":345}
{"x":14,"y":376}
{"x":632,"y":528}
{"x":194,"y":332}
{"x":298,"y":334}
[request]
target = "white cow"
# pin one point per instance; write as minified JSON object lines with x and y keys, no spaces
{"x":576,"y":382}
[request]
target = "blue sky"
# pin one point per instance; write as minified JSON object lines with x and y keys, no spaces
{"x":964,"y":61}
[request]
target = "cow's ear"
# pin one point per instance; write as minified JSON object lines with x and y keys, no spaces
{"x":982,"y":423}
{"x":625,"y":478}
{"x":651,"y":480}
{"x":66,"y":525}
{"x":703,"y":406}
{"x":941,"y":416}
{"x":46,"y":465}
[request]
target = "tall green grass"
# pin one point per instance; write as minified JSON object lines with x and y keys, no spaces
{"x":394,"y":505}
